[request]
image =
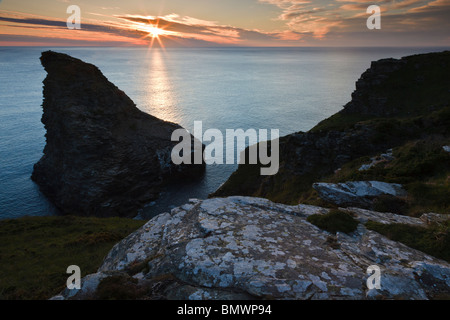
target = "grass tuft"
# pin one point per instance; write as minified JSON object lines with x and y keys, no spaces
{"x":434,"y":240}
{"x":334,"y":221}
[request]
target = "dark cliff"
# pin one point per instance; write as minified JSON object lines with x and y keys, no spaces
{"x":409,"y":86}
{"x":398,"y":103}
{"x":103,"y":156}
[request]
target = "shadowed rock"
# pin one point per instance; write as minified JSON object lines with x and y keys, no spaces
{"x":103,"y":155}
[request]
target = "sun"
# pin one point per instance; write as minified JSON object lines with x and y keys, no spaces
{"x":154,"y":31}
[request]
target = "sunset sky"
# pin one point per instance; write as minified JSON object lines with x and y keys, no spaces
{"x":225,"y":23}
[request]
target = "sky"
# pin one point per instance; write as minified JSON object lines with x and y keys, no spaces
{"x":198,"y":23}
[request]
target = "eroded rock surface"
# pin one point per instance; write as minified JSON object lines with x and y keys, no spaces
{"x":103,"y":155}
{"x":251,"y":248}
{"x":358,"y":193}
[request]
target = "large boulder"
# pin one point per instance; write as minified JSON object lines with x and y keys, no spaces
{"x":103,"y":155}
{"x":251,"y":248}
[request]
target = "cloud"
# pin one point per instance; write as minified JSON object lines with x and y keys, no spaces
{"x":304,"y":22}
{"x":432,"y":6}
{"x":340,"y":17}
{"x":191,"y":28}
{"x":23,"y":25}
{"x":178,"y":30}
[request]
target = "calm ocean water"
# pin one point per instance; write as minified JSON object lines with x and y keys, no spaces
{"x":289,"y":89}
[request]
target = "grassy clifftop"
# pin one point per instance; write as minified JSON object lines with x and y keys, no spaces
{"x":35,"y":252}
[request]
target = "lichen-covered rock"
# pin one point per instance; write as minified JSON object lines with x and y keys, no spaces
{"x":382,"y":158}
{"x":363,"y":216}
{"x":251,"y":248}
{"x":103,"y":156}
{"x":431,"y":217}
{"x":89,"y":285}
{"x":358,"y":193}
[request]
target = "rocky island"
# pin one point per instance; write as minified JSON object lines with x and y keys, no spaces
{"x":103,"y":156}
{"x":367,"y":187}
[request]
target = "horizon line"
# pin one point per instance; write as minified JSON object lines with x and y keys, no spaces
{"x":213,"y":47}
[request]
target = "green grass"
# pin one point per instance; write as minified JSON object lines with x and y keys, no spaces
{"x":434,"y":240}
{"x":124,"y":287}
{"x":119,"y":287}
{"x":417,"y":86}
{"x":286,"y":188}
{"x":35,"y":252}
{"x":414,"y":161}
{"x":419,"y":158}
{"x":422,"y":166}
{"x":340,"y":121}
{"x":334,"y":221}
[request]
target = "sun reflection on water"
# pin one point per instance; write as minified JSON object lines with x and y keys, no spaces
{"x":161,"y":96}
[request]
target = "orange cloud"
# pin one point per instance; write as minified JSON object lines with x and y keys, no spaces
{"x":431,"y":6}
{"x":302,"y":22}
{"x":322,"y":17}
{"x":173,"y":30}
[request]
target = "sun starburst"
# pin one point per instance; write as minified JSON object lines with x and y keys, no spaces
{"x":155,"y":32}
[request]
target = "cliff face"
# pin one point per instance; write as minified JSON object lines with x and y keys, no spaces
{"x":103,"y":156}
{"x":408,"y":86}
{"x":401,"y":104}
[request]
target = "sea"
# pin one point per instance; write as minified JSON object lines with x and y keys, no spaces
{"x":289,"y":89}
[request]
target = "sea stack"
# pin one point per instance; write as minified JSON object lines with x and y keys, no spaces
{"x":103,"y":156}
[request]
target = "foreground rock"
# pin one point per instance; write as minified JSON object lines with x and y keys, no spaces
{"x":103,"y":155}
{"x":358,"y":193}
{"x":251,"y":248}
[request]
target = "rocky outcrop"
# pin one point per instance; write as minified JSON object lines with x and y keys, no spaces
{"x":103,"y":155}
{"x":362,"y":99}
{"x":395,"y":101}
{"x":358,"y":193}
{"x":379,"y":92}
{"x":252,"y":248}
